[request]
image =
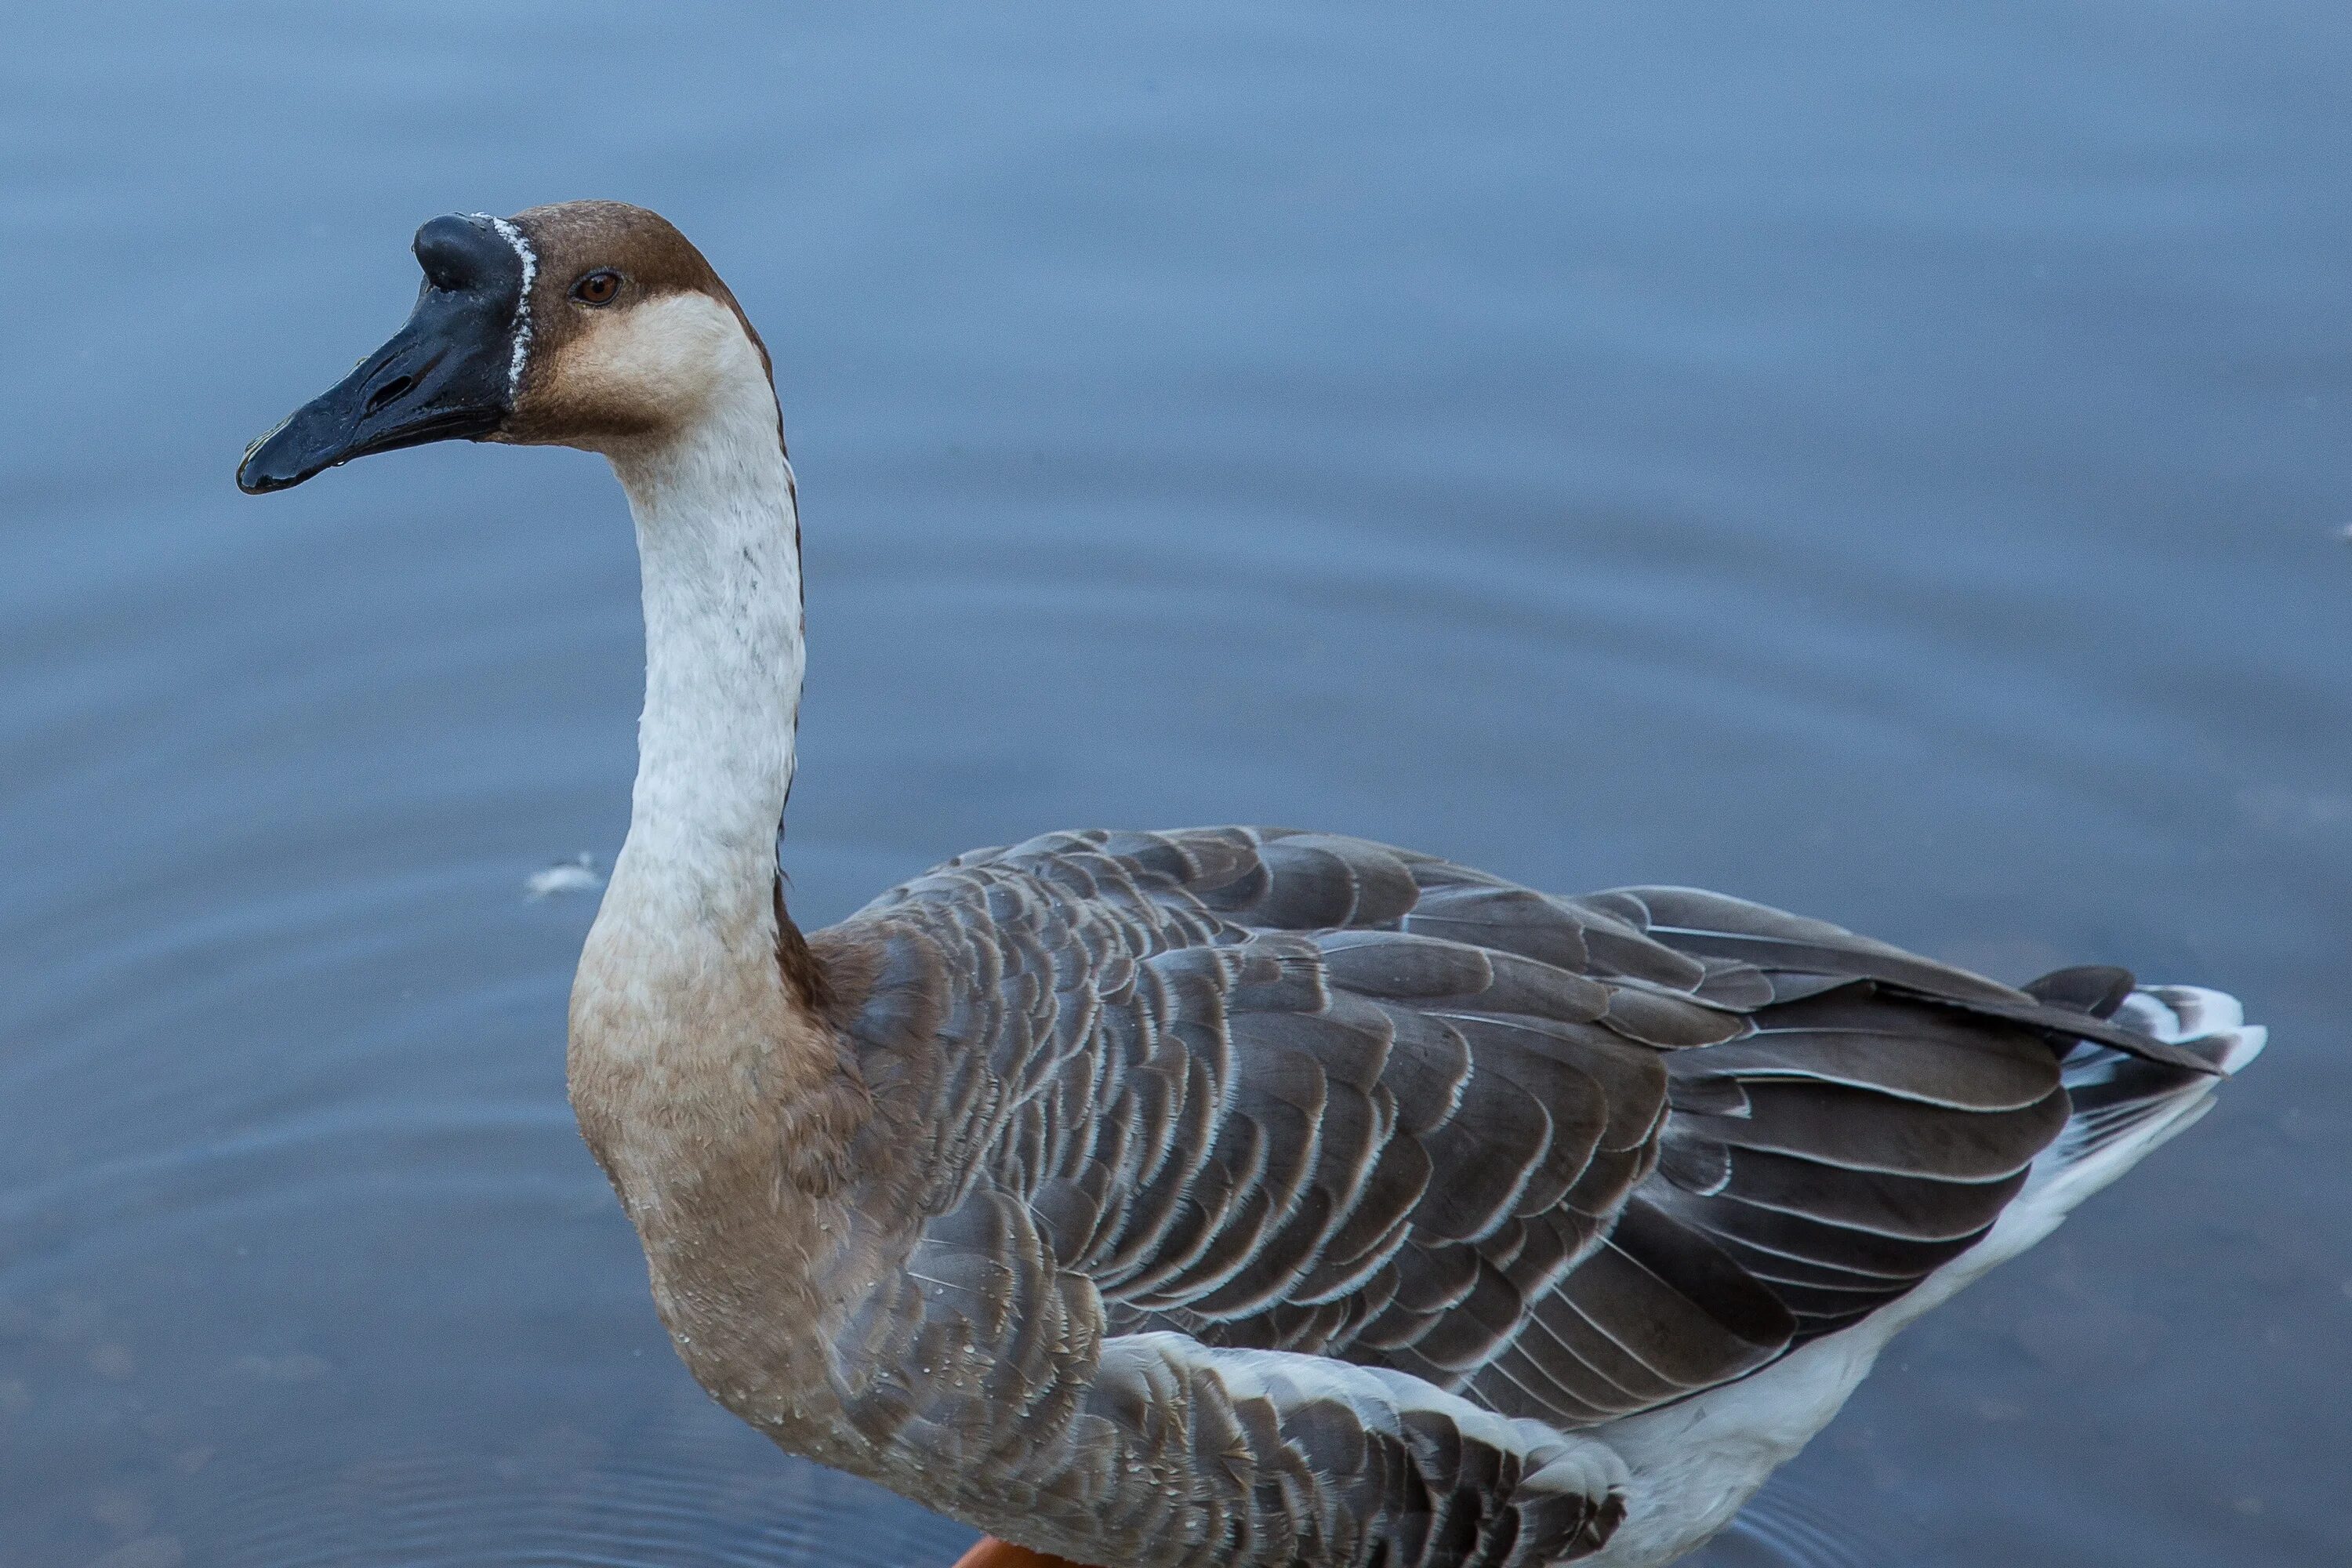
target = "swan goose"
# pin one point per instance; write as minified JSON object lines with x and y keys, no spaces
{"x":1231,"y":1197}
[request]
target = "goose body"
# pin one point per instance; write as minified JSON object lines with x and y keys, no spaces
{"x":1229,"y":1197}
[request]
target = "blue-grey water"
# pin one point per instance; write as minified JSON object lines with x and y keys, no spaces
{"x":1890,"y":461}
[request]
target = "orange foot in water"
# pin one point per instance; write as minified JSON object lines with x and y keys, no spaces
{"x":989,"y":1553}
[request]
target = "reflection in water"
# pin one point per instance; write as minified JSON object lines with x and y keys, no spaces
{"x":1886,"y":463}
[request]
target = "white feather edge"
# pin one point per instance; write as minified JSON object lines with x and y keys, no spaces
{"x":521,"y":350}
{"x":1554,"y":1460}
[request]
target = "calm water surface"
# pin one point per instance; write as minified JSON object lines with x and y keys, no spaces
{"x":1889,"y":461}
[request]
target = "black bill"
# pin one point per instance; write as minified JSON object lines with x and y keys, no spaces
{"x":446,"y":374}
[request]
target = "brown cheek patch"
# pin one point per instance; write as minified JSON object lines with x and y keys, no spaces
{"x":570,"y":238}
{"x":567,"y":397}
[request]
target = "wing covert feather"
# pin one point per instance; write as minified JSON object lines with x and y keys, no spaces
{"x":1267,"y":1092}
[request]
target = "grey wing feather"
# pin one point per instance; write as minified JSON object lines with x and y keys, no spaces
{"x":1261,"y":1092}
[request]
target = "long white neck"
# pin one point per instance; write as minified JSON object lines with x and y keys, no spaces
{"x":719,"y":544}
{"x":698,"y":1041}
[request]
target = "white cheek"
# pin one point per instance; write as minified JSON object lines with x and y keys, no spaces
{"x":673,"y":354}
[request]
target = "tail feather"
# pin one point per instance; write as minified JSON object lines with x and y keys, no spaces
{"x":2097,"y":989}
{"x":2126,"y":1104}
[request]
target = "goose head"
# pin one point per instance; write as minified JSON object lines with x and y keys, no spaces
{"x":589,"y":324}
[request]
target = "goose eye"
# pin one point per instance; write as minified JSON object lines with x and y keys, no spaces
{"x":597,"y":289}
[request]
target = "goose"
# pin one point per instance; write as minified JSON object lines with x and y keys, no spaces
{"x":1227,"y":1197}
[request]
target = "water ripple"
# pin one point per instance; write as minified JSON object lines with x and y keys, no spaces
{"x":1787,"y":1527}
{"x":700,"y":1502}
